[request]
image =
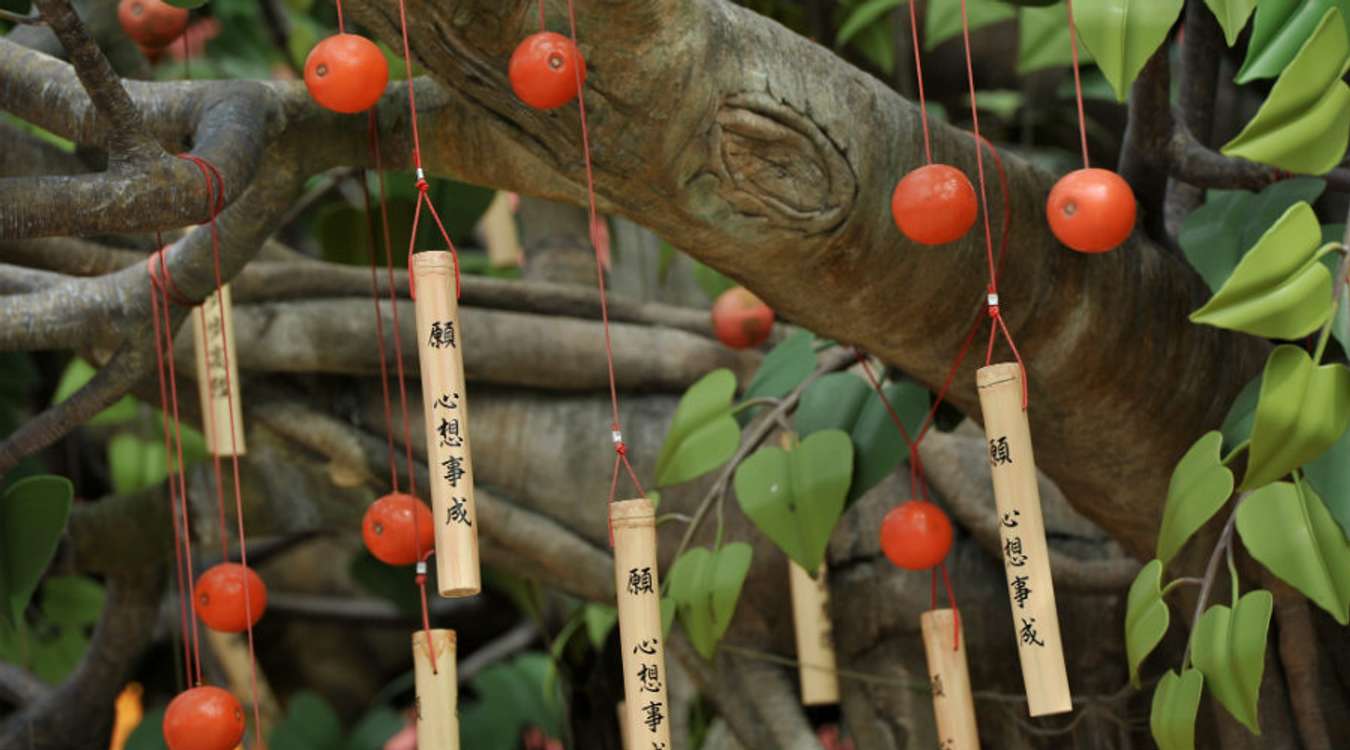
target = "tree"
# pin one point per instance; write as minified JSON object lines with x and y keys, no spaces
{"x":756,"y":152}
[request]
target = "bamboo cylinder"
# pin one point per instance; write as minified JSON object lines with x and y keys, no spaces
{"x":446,"y":410}
{"x":1026,"y":558}
{"x":219,"y":394}
{"x":622,"y":709}
{"x":437,"y":691}
{"x":953,"y":703}
{"x":640,"y":637}
{"x":815,"y":635}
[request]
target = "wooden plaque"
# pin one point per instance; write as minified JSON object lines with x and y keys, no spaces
{"x":437,"y":691}
{"x":953,"y":703}
{"x":640,"y":637}
{"x":815,"y":635}
{"x":219,"y":394}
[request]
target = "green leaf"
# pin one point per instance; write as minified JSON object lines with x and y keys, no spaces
{"x":76,"y":375}
{"x":1124,"y":34}
{"x":135,"y":464}
{"x":877,"y":44}
{"x":186,"y":4}
{"x":1304,"y":124}
{"x":600,"y":620}
{"x":1279,"y":290}
{"x":1215,"y":236}
{"x":149,"y":734}
{"x":310,"y":724}
{"x":1237,"y":426}
{"x":702,"y":434}
{"x":796,"y":497}
{"x":1229,"y":647}
{"x":1329,"y":475}
{"x":54,"y":657}
{"x":832,"y":402}
{"x":1176,"y":700}
{"x":511,"y":696}
{"x":1288,"y":529}
{"x":861,"y":17}
{"x":33,"y":513}
{"x":1232,"y":15}
{"x":943,"y":20}
{"x":1200,"y":486}
{"x":375,"y":729}
{"x":1146,"y":617}
{"x":1302,"y":411}
{"x":705,"y":586}
{"x":1281,"y":29}
{"x":1043,"y":39}
{"x":710,"y":280}
{"x":72,"y":601}
{"x":784,"y":367}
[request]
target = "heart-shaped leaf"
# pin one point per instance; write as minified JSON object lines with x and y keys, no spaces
{"x":1302,"y":411}
{"x":1043,"y":39}
{"x":942,"y":21}
{"x":1304,"y":124}
{"x":1215,"y":236}
{"x":73,"y":601}
{"x":1281,"y":29}
{"x":705,"y":586}
{"x":1176,"y":700}
{"x":703,"y":435}
{"x":1146,"y":617}
{"x":1237,"y":425}
{"x":796,"y":497}
{"x":1200,"y":486}
{"x":861,"y":17}
{"x":1229,"y":647}
{"x":1279,"y":289}
{"x":784,"y":367}
{"x":33,"y":514}
{"x":1232,"y":15}
{"x":832,"y":402}
{"x":1288,"y":529}
{"x":1329,"y":475}
{"x":1124,"y":34}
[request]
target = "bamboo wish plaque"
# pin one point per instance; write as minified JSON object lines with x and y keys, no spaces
{"x":446,"y":410}
{"x":437,"y":690}
{"x":1026,"y":558}
{"x":815,"y":635}
{"x":953,"y":702}
{"x":217,"y":386}
{"x":640,"y":637}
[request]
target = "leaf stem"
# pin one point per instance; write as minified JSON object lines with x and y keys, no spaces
{"x":1191,"y":581}
{"x":1242,"y":446}
{"x":748,"y":403}
{"x":1325,"y":334}
{"x":1224,"y":543}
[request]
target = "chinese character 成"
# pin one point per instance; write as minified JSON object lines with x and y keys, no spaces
{"x":457,"y":512}
{"x":1028,"y":632}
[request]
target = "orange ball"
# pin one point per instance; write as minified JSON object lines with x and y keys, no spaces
{"x":934,"y":205}
{"x":346,"y":73}
{"x":1091,"y":210}
{"x":740,"y":319}
{"x":916,"y":535}
{"x":219,"y":598}
{"x":545,"y":70}
{"x":152,"y":24}
{"x":398,"y":529}
{"x":204,"y":718}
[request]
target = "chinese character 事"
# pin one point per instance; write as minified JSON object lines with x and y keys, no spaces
{"x":442,"y":335}
{"x":1028,"y":633}
{"x":640,"y":581}
{"x":998,"y":452}
{"x":1021,"y":591}
{"x":454,"y":469}
{"x":652,"y":715}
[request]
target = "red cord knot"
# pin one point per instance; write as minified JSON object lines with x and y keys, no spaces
{"x":422,"y":181}
{"x":993,"y":304}
{"x":422,"y":572}
{"x":162,"y":280}
{"x":619,"y":446}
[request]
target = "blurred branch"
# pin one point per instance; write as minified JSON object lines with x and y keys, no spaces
{"x":20,"y":687}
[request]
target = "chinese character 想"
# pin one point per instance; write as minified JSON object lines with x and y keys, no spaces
{"x":649,"y":678}
{"x":652,"y":715}
{"x":442,"y":335}
{"x":998,"y":452}
{"x":647,"y":647}
{"x":640,"y":581}
{"x":1028,"y":632}
{"x":448,"y":401}
{"x":457,"y":512}
{"x":1021,"y":591}
{"x":1010,"y":519}
{"x":454,"y":469}
{"x":1012,"y":552}
{"x":448,"y":430}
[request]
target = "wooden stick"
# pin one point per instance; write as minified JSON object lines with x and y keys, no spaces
{"x":953,"y":703}
{"x":640,"y":637}
{"x":815,"y":635}
{"x":497,"y":227}
{"x":446,"y":407}
{"x":437,"y":691}
{"x":622,"y":709}
{"x":1026,"y":557}
{"x":217,"y":392}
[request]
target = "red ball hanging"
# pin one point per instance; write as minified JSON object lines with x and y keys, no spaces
{"x":218,"y":598}
{"x":544,"y":70}
{"x":740,"y":319}
{"x":346,"y":73}
{"x":916,"y":535}
{"x":204,"y":718}
{"x":1091,"y":210}
{"x":398,"y":528}
{"x":152,"y":24}
{"x":934,"y":205}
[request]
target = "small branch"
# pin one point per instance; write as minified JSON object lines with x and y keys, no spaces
{"x":508,"y":644}
{"x":359,"y":610}
{"x":1201,"y":53}
{"x":279,"y":29}
{"x":20,"y":19}
{"x":126,"y":139}
{"x":20,"y":687}
{"x":1143,"y":157}
{"x":1193,"y":163}
{"x":1300,"y":657}
{"x":1220,"y":552}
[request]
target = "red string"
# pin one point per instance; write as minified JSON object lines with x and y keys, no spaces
{"x":543,"y":22}
{"x":342,"y":27}
{"x":1077,"y":81}
{"x":951,"y":599}
{"x":426,"y":612}
{"x":379,"y":338}
{"x":918,"y":73}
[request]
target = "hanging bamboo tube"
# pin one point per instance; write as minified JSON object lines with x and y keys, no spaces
{"x":446,"y":409}
{"x":815,"y":635}
{"x":622,"y":709}
{"x":219,"y":394}
{"x":639,"y":592}
{"x":437,"y":691}
{"x":1026,"y":558}
{"x":953,"y":703}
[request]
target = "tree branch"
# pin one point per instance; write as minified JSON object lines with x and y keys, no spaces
{"x":20,"y":687}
